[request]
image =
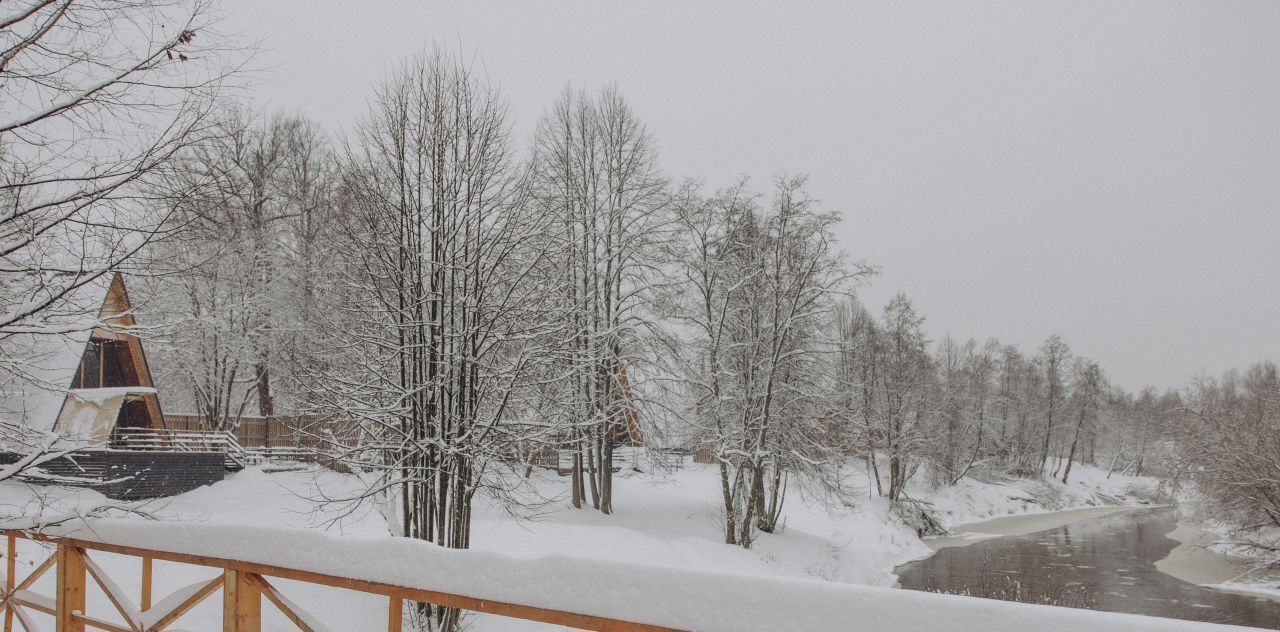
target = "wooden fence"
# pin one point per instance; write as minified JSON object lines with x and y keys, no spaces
{"x":266,"y":432}
{"x":243,"y":586}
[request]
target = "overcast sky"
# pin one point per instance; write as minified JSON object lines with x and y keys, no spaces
{"x":1109,"y":171}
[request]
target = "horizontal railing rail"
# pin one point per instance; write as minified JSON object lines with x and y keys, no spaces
{"x":243,"y":585}
{"x":166,"y":440}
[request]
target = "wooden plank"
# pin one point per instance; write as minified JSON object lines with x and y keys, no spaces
{"x":241,"y":603}
{"x":11,"y":567}
{"x":39,"y":572}
{"x":287,"y":609}
{"x":121,"y":603}
{"x":37,"y":602}
{"x":100,"y":624}
{"x":191,"y":602}
{"x":71,"y":588}
{"x":395,"y":614}
{"x":518,"y":611}
{"x":146,"y":584}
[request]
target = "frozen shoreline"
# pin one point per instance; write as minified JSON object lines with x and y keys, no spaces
{"x":1021,"y":524}
{"x":1194,"y":562}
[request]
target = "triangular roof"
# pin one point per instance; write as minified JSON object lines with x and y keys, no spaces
{"x":100,"y":310}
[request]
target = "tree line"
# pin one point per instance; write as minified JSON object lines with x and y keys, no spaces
{"x":462,"y":307}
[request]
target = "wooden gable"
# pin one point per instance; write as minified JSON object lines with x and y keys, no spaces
{"x":113,"y":358}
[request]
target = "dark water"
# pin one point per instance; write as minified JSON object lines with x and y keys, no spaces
{"x":1103,"y":563}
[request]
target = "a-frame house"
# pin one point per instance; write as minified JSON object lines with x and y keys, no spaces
{"x":111,"y":389}
{"x":96,"y":390}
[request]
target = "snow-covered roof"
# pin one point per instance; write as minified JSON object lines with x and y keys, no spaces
{"x":89,"y":414}
{"x":41,"y":357}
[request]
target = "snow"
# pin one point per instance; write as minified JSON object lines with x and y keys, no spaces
{"x":100,"y":396}
{"x":1231,"y":566}
{"x":660,"y":559}
{"x":646,"y":593}
{"x":970,"y":500}
{"x":50,"y":354}
{"x":89,"y":414}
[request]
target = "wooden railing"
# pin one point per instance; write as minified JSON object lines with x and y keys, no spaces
{"x":181,"y":441}
{"x":243,"y":585}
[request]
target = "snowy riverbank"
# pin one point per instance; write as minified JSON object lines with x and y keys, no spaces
{"x":1202,"y":558}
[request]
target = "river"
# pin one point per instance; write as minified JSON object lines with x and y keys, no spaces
{"x":1102,"y":563}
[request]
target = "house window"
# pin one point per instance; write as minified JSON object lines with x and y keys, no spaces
{"x":105,"y":364}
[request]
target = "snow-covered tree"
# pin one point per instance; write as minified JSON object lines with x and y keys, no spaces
{"x":233,"y":304}
{"x":595,"y":174}
{"x":96,"y":100}
{"x":436,"y":310}
{"x":759,"y":287}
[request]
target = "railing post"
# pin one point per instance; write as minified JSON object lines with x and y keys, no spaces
{"x":10,"y":567}
{"x":70,"y":597}
{"x":146,"y":584}
{"x":241,"y":603}
{"x":395,"y":613}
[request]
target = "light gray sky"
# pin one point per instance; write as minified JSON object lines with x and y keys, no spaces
{"x":1105,"y":170}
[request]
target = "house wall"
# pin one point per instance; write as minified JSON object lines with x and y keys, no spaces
{"x":135,"y":475}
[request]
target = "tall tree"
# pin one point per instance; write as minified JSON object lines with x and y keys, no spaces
{"x":595,"y":173}
{"x":1087,"y":395}
{"x":238,"y":267}
{"x":1053,"y":355}
{"x":759,"y":289}
{"x":436,"y":305}
{"x":906,"y":380}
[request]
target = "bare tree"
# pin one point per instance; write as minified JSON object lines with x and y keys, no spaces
{"x":1229,"y":451}
{"x":435,"y":312}
{"x":238,"y":269}
{"x":1053,"y":354}
{"x":96,"y":100}
{"x":980,"y":370}
{"x":1086,"y":395}
{"x":906,"y":379}
{"x":98,"y":97}
{"x":595,"y":173}
{"x":760,"y":286}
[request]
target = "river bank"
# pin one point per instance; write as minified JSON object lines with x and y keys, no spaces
{"x":1193,"y":560}
{"x":970,"y":533}
{"x":1103,"y":562}
{"x":669,"y":518}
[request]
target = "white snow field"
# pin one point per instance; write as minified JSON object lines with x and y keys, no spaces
{"x":659,"y":559}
